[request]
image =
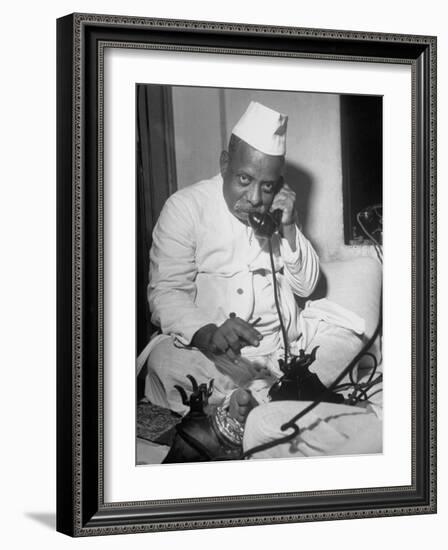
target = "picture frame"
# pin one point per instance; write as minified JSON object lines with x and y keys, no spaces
{"x":81,"y":506}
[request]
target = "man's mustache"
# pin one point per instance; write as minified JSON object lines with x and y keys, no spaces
{"x":248,"y":209}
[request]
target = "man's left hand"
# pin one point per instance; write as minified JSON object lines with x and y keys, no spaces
{"x":285,"y":200}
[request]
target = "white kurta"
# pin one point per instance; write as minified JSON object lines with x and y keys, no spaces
{"x":205,"y":264}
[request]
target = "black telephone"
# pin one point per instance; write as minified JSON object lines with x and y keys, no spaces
{"x":265,"y":225}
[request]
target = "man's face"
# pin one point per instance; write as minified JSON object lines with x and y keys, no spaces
{"x":251,"y":179}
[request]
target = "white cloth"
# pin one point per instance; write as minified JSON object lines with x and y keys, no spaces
{"x":205,"y":264}
{"x":328,"y":429}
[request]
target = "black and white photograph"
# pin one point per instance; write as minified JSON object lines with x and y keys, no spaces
{"x":259,"y":268}
{"x":220,"y":275}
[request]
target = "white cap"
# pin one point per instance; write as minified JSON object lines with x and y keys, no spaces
{"x":263,"y":128}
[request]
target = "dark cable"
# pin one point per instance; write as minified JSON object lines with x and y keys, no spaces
{"x":375,"y":242}
{"x":277,"y":304}
{"x":342,"y":375}
{"x":360,"y":389}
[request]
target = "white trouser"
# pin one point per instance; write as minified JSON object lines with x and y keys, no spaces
{"x":328,"y":429}
{"x":324,"y":324}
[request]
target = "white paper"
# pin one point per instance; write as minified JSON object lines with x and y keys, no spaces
{"x":123,"y":481}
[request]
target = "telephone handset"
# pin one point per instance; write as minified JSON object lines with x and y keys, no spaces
{"x":265,"y":225}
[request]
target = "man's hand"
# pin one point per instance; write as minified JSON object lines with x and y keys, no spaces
{"x":285,"y":200}
{"x":229,"y":338}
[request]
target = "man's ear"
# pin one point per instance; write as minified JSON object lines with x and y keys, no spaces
{"x":224,"y":160}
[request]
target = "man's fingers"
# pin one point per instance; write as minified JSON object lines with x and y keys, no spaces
{"x":227,"y":341}
{"x":231,"y":354}
{"x":219,"y":341}
{"x":285,"y":189}
{"x":247,"y":333}
{"x":247,"y":326}
{"x":233,"y":340}
{"x":286,"y":196}
{"x":232,"y":335}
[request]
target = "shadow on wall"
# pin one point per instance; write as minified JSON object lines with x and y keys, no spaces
{"x":301,"y":182}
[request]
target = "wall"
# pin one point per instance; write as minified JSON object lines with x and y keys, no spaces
{"x":204,"y":118}
{"x":197,"y":133}
{"x":27,"y":290}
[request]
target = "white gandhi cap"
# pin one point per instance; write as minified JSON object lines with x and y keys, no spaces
{"x":263,"y":128}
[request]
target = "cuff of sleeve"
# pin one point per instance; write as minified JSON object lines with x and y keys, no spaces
{"x":189,"y":328}
{"x":291,"y":256}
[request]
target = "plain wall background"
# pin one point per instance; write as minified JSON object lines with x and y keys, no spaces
{"x":27,"y":219}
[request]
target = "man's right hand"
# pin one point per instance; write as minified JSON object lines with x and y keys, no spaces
{"x":229,"y":338}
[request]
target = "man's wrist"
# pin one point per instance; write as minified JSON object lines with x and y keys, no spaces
{"x":289,"y":233}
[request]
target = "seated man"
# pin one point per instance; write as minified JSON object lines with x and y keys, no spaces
{"x":212,"y":290}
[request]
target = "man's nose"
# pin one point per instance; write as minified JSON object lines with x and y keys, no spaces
{"x":254,"y":194}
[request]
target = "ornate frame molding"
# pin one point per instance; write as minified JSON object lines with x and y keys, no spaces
{"x":82,"y":39}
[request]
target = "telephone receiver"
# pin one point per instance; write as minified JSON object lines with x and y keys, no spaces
{"x":265,"y":225}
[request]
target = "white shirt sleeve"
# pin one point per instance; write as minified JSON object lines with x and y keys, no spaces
{"x":301,"y":266}
{"x":172,"y":287}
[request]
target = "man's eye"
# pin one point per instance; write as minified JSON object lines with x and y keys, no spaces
{"x":244,"y":180}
